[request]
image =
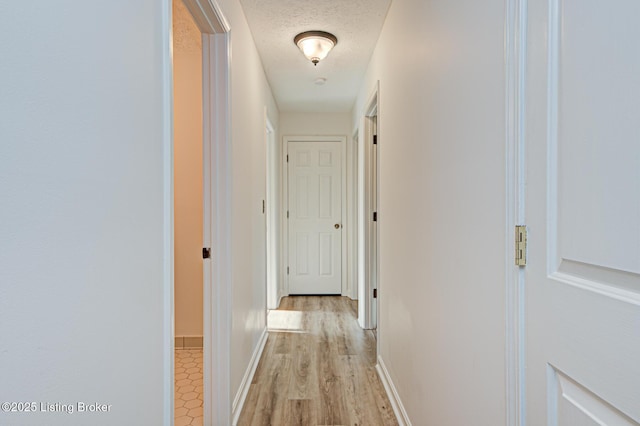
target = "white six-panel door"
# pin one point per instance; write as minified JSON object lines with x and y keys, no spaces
{"x":315,"y":217}
{"x":583,"y":213}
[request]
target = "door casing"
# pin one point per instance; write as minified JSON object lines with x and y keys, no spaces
{"x":368,"y":258}
{"x":273,"y":290}
{"x":352,"y":215}
{"x":515,"y":61}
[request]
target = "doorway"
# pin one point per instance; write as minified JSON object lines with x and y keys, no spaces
{"x":216,"y":214}
{"x":368,"y":241}
{"x":188,"y":216}
{"x":315,"y":206}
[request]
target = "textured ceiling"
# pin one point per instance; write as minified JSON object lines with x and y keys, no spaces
{"x":274,"y":24}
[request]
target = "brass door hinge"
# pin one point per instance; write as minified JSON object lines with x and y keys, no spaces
{"x":521,"y":245}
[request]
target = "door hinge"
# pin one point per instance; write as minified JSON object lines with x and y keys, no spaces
{"x":287,"y":270}
{"x":375,"y":293}
{"x":375,"y":139}
{"x":262,"y":206}
{"x":287,"y":158}
{"x":206,"y":253}
{"x":375,"y":216}
{"x":287,"y":214}
{"x":521,"y":245}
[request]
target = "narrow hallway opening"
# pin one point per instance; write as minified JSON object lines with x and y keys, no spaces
{"x":188,"y":218}
{"x":317,"y":368}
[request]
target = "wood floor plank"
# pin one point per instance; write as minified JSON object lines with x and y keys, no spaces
{"x":283,"y":343}
{"x":286,"y":304}
{"x":304,"y":377}
{"x":271,"y":401}
{"x":317,"y":369}
{"x":251,"y":401}
{"x":361,"y":400}
{"x":381,"y":400}
{"x":368,"y":350}
{"x":263,"y":363}
{"x":299,"y":412}
{"x":343,"y":338}
{"x":332,"y":405}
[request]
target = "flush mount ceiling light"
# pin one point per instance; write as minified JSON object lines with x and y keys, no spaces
{"x":315,"y":45}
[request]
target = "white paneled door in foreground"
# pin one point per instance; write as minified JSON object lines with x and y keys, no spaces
{"x":583,"y":213}
{"x":315,"y":221}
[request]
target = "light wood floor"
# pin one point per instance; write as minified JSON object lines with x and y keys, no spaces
{"x":317,"y":368}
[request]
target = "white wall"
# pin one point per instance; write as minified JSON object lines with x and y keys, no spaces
{"x":82,"y":242}
{"x":187,"y":142}
{"x":250,"y":94}
{"x":312,"y":124}
{"x":442,"y":207}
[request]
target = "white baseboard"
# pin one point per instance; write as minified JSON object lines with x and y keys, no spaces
{"x":241,"y":396}
{"x":394,"y":398}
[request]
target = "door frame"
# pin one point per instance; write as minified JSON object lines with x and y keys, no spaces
{"x":217,"y":289}
{"x":285,"y":204}
{"x":515,"y":92}
{"x":273,"y":290}
{"x":353,"y":217}
{"x":368,"y":306}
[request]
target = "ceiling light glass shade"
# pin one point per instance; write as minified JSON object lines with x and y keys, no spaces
{"x":315,"y":45}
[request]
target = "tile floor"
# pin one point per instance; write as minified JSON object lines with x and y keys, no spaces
{"x":188,"y":389}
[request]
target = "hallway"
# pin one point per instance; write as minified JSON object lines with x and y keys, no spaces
{"x":317,"y":368}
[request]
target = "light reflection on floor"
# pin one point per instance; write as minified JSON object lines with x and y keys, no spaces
{"x":285,"y":321}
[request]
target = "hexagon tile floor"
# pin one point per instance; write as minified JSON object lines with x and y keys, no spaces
{"x":188,"y":387}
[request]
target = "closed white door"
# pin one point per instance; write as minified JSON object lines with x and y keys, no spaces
{"x":582,"y":309}
{"x":315,"y":222}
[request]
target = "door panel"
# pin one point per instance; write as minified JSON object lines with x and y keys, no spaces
{"x":583,"y":213}
{"x":315,"y":208}
{"x":326,"y":253}
{"x":577,"y":406}
{"x":302,"y":196}
{"x":302,"y":253}
{"x":598,"y":132}
{"x":325,"y":207}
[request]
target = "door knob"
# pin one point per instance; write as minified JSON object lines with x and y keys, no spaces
{"x":337,"y":226}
